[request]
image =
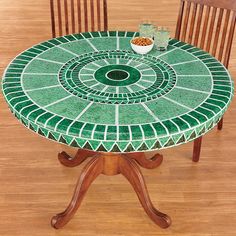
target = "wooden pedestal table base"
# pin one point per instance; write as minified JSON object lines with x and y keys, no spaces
{"x":111,"y":164}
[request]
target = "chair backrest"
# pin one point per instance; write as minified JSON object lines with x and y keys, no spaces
{"x":75,"y":16}
{"x":208,"y":24}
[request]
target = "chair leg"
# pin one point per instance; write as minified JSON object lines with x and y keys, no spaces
{"x":197,"y":149}
{"x":220,"y":124}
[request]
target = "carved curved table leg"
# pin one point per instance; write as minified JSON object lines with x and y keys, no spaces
{"x":88,"y":175}
{"x":149,"y":163}
{"x":131,"y":171}
{"x":79,"y":157}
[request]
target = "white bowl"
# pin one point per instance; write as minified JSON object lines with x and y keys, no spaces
{"x":142,"y":49}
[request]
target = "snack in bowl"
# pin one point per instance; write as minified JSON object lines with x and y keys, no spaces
{"x":142,"y":45}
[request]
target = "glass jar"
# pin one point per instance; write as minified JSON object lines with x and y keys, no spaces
{"x":161,"y":38}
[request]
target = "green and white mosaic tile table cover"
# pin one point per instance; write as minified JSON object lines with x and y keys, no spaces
{"x":92,"y":91}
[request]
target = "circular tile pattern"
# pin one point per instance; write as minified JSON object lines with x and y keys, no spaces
{"x":118,"y":74}
{"x":92,"y":91}
{"x":101,"y":69}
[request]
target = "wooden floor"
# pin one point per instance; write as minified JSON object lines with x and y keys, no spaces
{"x":200,"y":198}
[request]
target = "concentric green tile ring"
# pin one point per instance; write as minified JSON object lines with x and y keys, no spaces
{"x":91,"y":91}
{"x":117,"y":75}
{"x":75,"y":74}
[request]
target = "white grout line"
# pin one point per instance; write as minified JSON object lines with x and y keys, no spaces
{"x":84,"y":110}
{"x":105,"y":133}
{"x":45,"y":124}
{"x":42,"y":88}
{"x":129,"y":61}
{"x":86,"y":74}
{"x":193,"y":75}
{"x":194,"y":119}
{"x":89,"y":69}
{"x":25,"y":73}
{"x":149,"y":111}
{"x":117,"y":43}
{"x":194,"y":90}
{"x":94,"y":63}
{"x":131,"y":90}
{"x":94,"y":85}
{"x":60,"y":100}
{"x":173,"y":101}
{"x":87,"y":80}
{"x":140,"y":86}
{"x":66,"y":50}
{"x":166,"y":52}
{"x":146,"y":69}
{"x":40,"y":116}
{"x":27,"y":117}
{"x":17,"y":98}
{"x":185,"y":62}
{"x":117,"y":121}
{"x":93,"y":131}
{"x":81,"y":130}
{"x":90,"y":43}
{"x":106,"y":61}
{"x":30,"y":105}
{"x":142,"y":131}
{"x":130,"y":132}
{"x":55,"y":62}
{"x":148,"y":81}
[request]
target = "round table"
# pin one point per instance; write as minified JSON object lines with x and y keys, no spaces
{"x":91,"y":91}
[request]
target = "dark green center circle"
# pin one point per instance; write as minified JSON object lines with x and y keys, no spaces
{"x":117,"y":75}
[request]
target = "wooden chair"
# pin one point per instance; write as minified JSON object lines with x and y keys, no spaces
{"x":209,"y":25}
{"x":75,"y":16}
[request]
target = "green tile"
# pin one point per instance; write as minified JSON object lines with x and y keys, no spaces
{"x":35,"y":114}
{"x":177,"y":56}
{"x":78,"y":47}
{"x":170,"y":126}
{"x":39,"y":81}
{"x":164,"y":109}
{"x":99,"y":132}
{"x":63,"y":125}
{"x":124,"y":133}
{"x":191,"y":68}
{"x":125,"y":44}
{"x":181,"y":123}
{"x":100,"y":114}
{"x":128,"y":115}
{"x":160,"y":129}
{"x":190,"y":120}
{"x":70,"y":37}
{"x":75,"y":128}
{"x":50,"y":95}
{"x":111,"y":133}
{"x":202,"y":83}
{"x":95,"y":114}
{"x":190,"y":99}
{"x":57,"y":54}
{"x":70,"y":108}
{"x":200,"y":117}
{"x":38,"y":66}
{"x":104,"y":44}
{"x":136,"y":132}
